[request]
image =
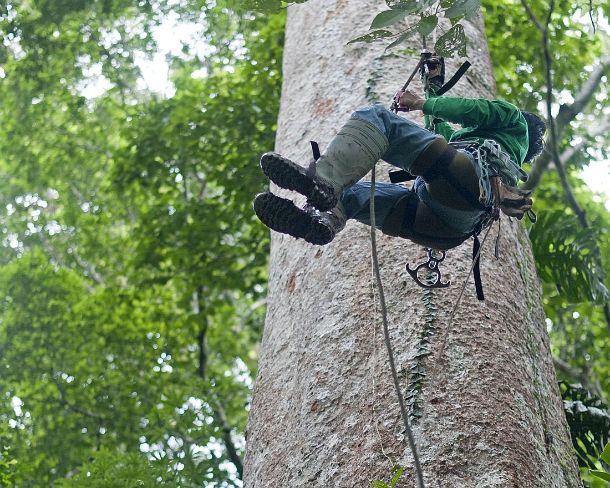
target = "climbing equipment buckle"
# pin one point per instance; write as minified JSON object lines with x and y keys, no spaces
{"x":431,"y":265}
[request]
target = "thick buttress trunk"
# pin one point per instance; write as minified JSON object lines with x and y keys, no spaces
{"x":488,"y":412}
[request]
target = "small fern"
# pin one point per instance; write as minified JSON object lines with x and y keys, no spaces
{"x":396,"y":474}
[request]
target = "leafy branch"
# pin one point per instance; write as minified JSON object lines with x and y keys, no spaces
{"x":449,"y":43}
{"x":397,"y":472}
{"x":569,"y":113}
{"x":71,"y":406}
{"x":605,"y":457}
{"x":588,"y":420}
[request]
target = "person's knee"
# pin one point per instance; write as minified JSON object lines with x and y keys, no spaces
{"x":374,"y":115}
{"x":376,"y":110}
{"x":433,"y":160}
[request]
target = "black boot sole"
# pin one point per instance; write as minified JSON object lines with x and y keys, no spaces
{"x":291,"y":176}
{"x":281,"y":215}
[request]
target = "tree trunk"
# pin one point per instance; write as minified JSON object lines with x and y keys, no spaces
{"x":488,"y":412}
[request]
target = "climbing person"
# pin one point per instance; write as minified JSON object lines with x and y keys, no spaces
{"x":462,"y":177}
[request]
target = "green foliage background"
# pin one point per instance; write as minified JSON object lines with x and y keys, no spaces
{"x":133,"y":271}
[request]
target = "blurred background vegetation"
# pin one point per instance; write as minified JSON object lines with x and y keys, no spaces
{"x":133,"y":271}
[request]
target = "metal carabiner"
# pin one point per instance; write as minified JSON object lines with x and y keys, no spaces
{"x":432,"y":265}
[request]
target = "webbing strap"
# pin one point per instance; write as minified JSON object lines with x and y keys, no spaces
{"x":315,"y":149}
{"x":400,"y":175}
{"x":454,"y":79}
{"x":476,"y":258}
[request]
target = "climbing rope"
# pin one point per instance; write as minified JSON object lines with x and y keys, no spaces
{"x":386,"y":335}
{"x":383,"y":308}
{"x":374,"y":372}
{"x":386,"y":331}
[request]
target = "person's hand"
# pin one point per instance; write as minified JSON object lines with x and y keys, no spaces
{"x":408,"y":101}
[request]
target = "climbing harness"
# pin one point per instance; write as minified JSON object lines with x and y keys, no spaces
{"x":496,"y":169}
{"x":493,"y":161}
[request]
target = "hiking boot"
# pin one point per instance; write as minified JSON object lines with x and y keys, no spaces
{"x":292,"y":176}
{"x":281,"y":215}
{"x":349,"y":156}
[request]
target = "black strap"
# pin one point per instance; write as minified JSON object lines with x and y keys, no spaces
{"x":400,"y":176}
{"x":315,"y":149}
{"x":463,"y":191}
{"x":454,"y":79}
{"x":532,"y":216}
{"x":476,"y":257}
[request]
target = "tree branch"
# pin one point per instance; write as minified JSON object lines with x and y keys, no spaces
{"x":553,"y":150}
{"x":580,"y":376}
{"x":63,"y":401}
{"x":202,"y":367}
{"x":580,"y":101}
{"x":567,"y":113}
{"x":89,"y":268}
{"x":219,"y":412}
{"x":541,"y":164}
{"x":532,"y":16}
{"x":221,"y":418}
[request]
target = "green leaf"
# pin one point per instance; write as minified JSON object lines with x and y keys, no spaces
{"x":389,"y":17}
{"x":379,"y":484}
{"x":397,"y":473}
{"x":588,"y":420}
{"x":565,"y":259}
{"x":403,"y":37}
{"x":467,"y":8}
{"x":605,"y":457}
{"x":455,"y":20}
{"x":411,"y":5}
{"x":427,"y":24}
{"x":372,"y":36}
{"x":452,"y":42}
{"x":600,"y":474}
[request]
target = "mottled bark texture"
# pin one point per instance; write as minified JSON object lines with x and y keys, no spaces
{"x":324,"y":412}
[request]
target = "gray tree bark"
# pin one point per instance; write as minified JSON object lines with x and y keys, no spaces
{"x":324,"y":413}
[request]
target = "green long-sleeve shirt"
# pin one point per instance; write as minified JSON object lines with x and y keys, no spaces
{"x":481,"y":119}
